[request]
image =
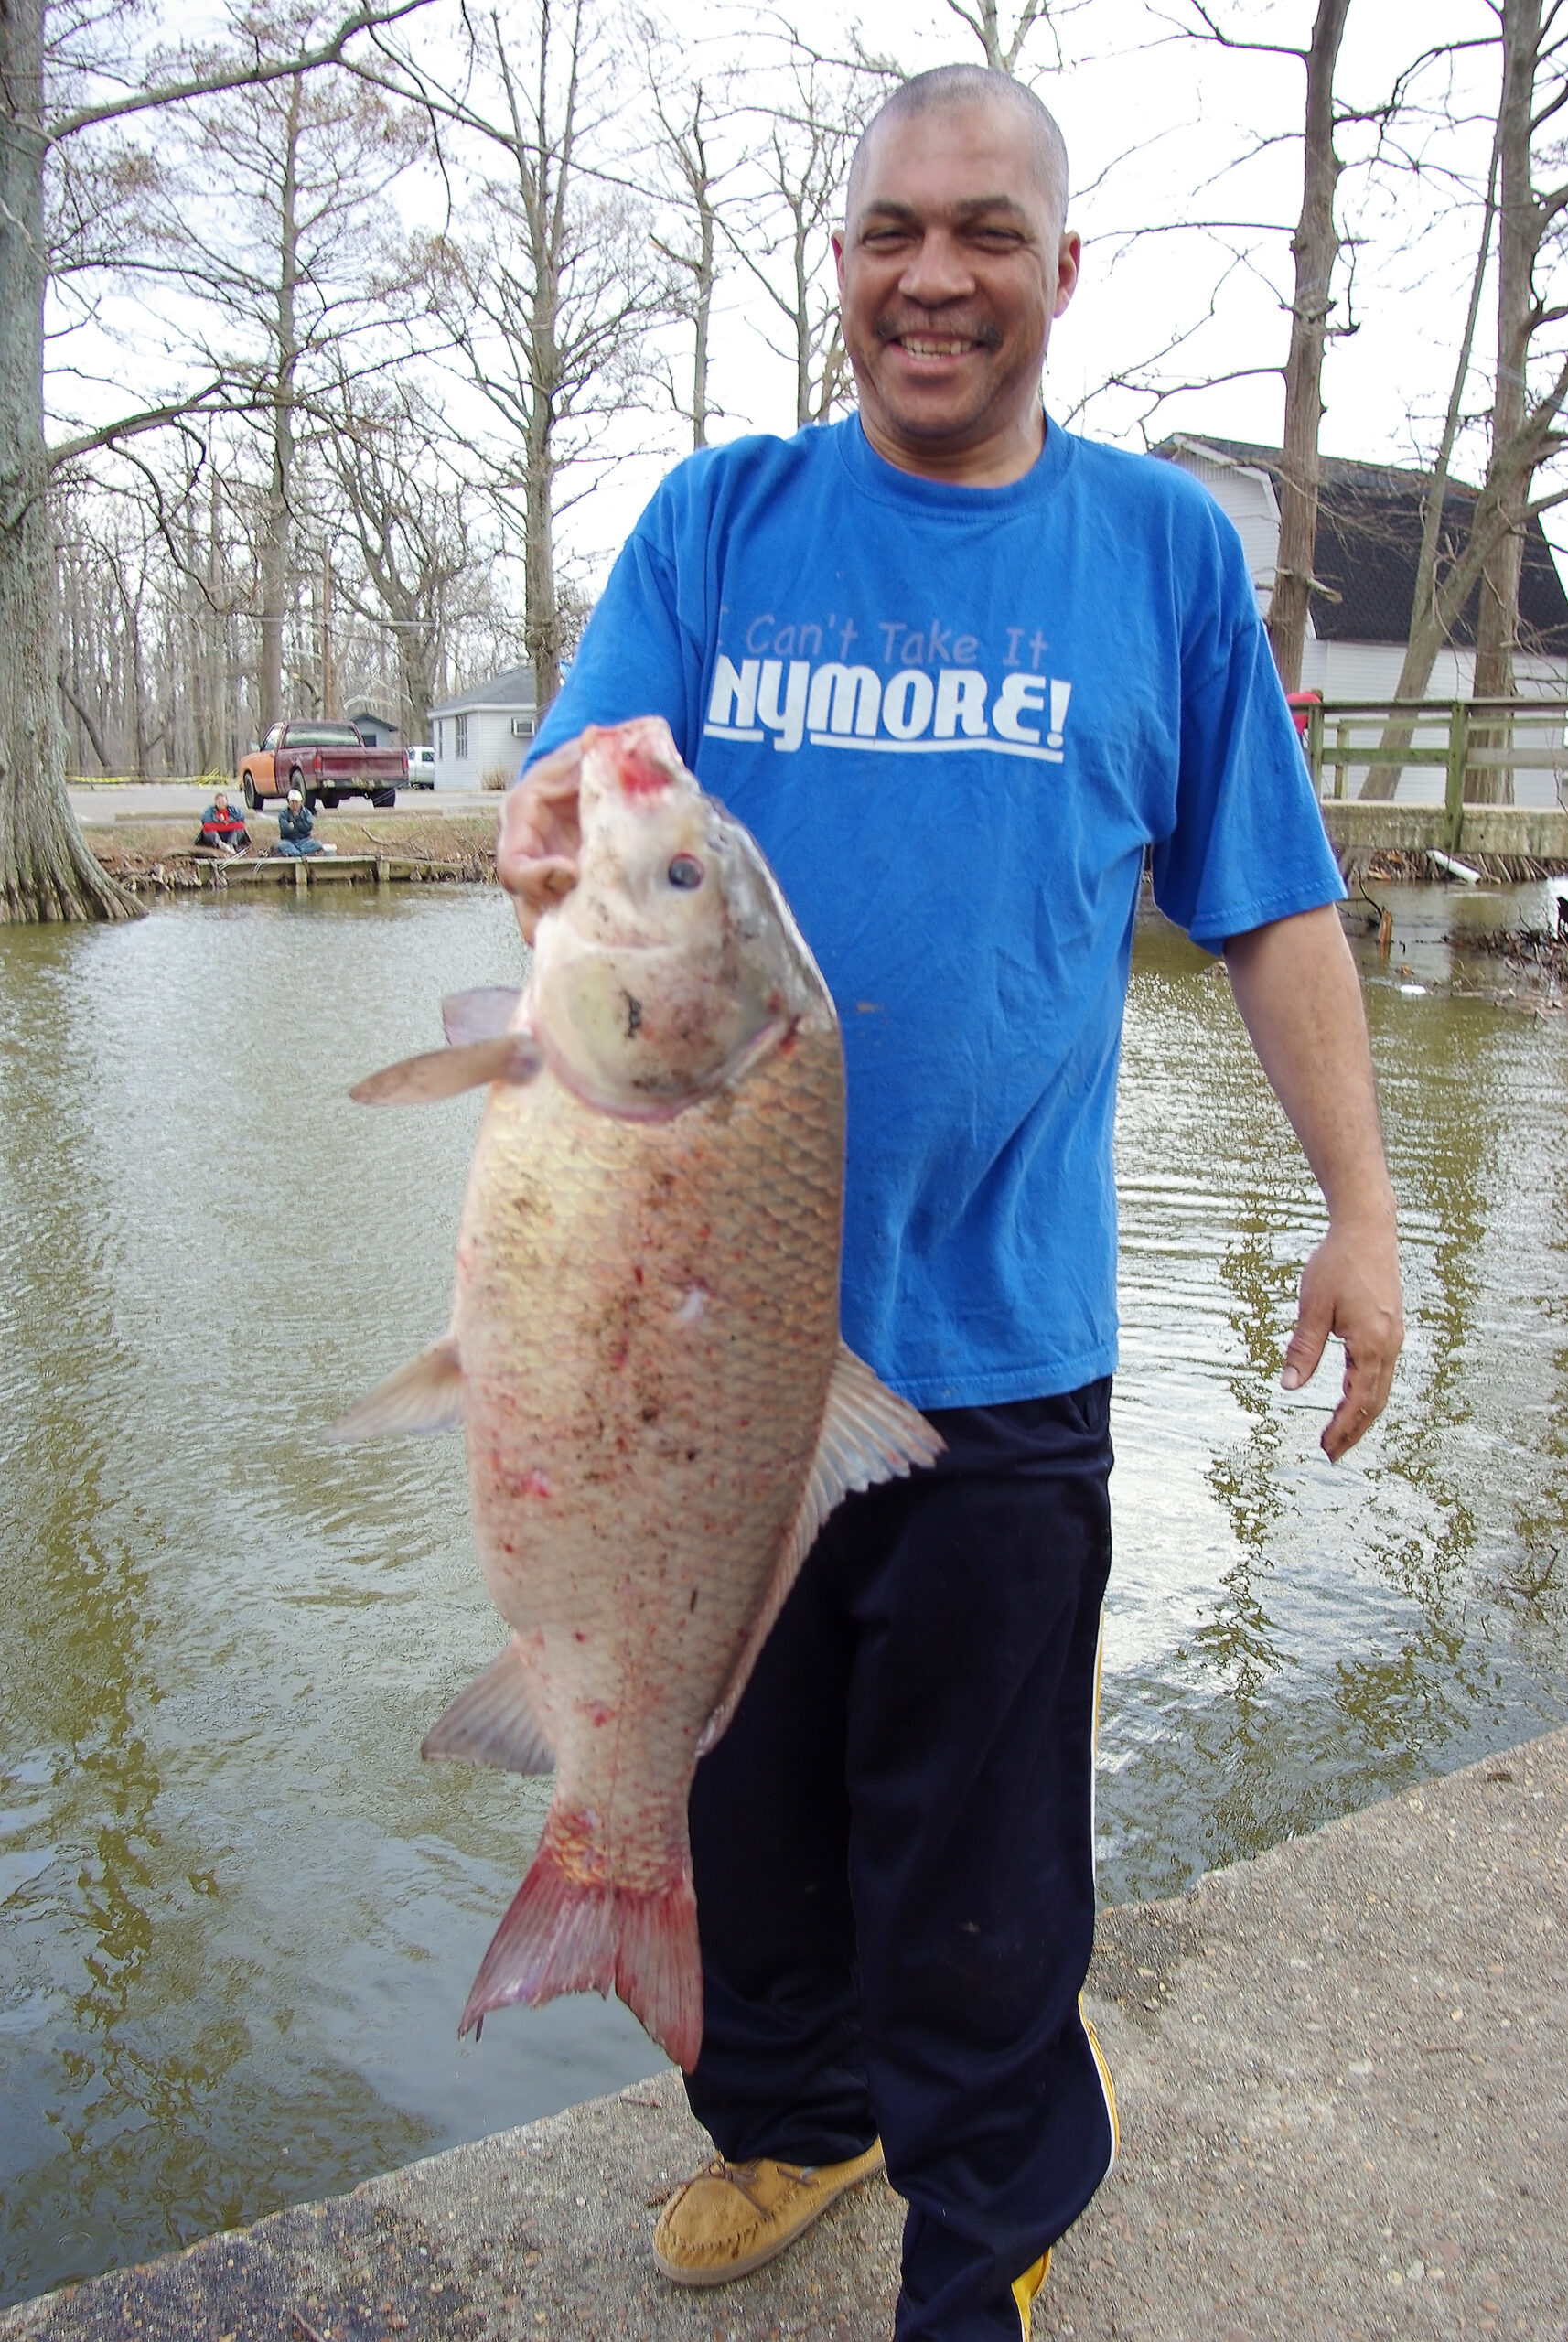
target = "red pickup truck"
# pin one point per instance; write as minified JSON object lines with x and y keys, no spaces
{"x":324,"y":762}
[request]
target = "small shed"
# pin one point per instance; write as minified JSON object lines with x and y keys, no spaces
{"x":1370,"y":520}
{"x":374,"y":726}
{"x":485,"y":730}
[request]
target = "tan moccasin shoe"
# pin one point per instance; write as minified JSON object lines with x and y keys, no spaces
{"x":732,"y":2217}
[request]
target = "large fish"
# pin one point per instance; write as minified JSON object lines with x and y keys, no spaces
{"x":644,"y":1353}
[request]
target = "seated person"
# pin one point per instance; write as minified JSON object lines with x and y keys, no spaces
{"x":295,"y":824}
{"x":223,"y":826}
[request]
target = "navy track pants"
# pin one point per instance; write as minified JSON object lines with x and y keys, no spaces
{"x":893,"y":1848}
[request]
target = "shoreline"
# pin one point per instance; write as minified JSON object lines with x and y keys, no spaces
{"x":1337,"y":2070}
{"x":155,"y":855}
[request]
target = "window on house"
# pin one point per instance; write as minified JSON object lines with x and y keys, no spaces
{"x":461,"y":725}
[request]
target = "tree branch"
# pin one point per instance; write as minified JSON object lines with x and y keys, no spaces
{"x":208,"y":85}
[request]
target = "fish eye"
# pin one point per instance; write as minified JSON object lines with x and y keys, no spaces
{"x":685,"y":871}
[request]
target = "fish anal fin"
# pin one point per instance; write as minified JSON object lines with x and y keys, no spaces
{"x":483,"y":1015}
{"x":425,"y":1395}
{"x":869,"y":1434}
{"x":491,"y":1721}
{"x":446,"y":1073}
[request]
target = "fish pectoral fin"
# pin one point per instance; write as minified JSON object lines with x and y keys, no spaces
{"x":492,"y":1722}
{"x":483,"y":1015}
{"x":425,"y":1395}
{"x":868,"y":1434}
{"x":445,"y":1073}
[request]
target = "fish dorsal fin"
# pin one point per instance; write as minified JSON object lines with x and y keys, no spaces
{"x":868,"y":1434}
{"x":483,"y":1015}
{"x":445,"y":1073}
{"x":491,"y":1722}
{"x":425,"y":1395}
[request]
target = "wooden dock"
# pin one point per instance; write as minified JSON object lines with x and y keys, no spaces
{"x":1481,"y":748}
{"x":205,"y":873}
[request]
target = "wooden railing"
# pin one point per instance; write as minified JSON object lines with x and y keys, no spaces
{"x":1463,"y":737}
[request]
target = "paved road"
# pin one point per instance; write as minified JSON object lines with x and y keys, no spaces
{"x":1340,"y":2077}
{"x":138,"y":800}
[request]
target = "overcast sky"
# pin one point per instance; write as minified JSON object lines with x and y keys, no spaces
{"x":1164,"y":134}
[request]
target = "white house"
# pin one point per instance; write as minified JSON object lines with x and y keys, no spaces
{"x":1369,"y":536}
{"x":484,"y":732}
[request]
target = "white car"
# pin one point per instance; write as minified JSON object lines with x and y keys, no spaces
{"x":421,"y":769}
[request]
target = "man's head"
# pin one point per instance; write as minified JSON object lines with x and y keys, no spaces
{"x":952,"y":264}
{"x":220,"y":798}
{"x":295,"y":796}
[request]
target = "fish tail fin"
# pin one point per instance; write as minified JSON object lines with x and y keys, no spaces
{"x":562,"y":1936}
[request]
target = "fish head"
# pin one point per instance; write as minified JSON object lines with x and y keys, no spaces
{"x":673,"y":964}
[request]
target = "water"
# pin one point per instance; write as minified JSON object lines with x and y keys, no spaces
{"x":239,"y":1915}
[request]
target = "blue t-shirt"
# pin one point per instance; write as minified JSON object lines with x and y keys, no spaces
{"x":953,"y":718}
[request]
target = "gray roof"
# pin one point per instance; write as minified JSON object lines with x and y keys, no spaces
{"x":513,"y":687}
{"x":1370,"y":521}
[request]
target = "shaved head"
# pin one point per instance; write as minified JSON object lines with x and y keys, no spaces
{"x":954,"y":86}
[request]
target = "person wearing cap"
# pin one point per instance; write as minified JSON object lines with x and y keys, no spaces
{"x":223,"y":826}
{"x":296,"y":823}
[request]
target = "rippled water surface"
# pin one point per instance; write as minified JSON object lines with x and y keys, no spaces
{"x":237,"y":1916}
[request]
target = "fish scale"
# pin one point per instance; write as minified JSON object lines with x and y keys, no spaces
{"x":646,"y":1453}
{"x":645,"y":1355}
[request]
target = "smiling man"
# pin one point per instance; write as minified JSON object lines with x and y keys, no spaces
{"x":959,"y":671}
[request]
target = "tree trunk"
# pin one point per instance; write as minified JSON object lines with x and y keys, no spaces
{"x":802,"y":324}
{"x":1316,"y":247}
{"x":415,"y":660}
{"x":1523,"y":433}
{"x":274,"y":561}
{"x":46,"y":869}
{"x":702,"y":317}
{"x":1519,"y":232}
{"x":541,"y":619}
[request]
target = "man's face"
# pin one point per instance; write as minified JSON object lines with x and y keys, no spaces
{"x":951,"y":268}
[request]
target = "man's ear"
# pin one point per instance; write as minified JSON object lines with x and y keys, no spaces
{"x":838,"y":237}
{"x":1070,"y":253}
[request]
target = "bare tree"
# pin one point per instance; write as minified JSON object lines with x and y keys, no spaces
{"x":1004,"y":43}
{"x":546,"y":292}
{"x":1315,"y":248}
{"x":284,"y":266}
{"x":48,"y":56}
{"x":411,"y":531}
{"x":810,"y":130}
{"x":1525,"y":217}
{"x":1465,"y":541}
{"x":693,"y":116}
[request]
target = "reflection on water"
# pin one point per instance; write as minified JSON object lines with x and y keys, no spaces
{"x":240,"y":1917}
{"x":1287,"y":1639}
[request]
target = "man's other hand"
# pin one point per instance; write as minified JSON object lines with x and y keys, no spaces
{"x":1350,"y":1287}
{"x":540,"y":836}
{"x":1296,"y":987}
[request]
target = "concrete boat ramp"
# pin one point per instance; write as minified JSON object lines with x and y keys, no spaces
{"x":1344,"y":2099}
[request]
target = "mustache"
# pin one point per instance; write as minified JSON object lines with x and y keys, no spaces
{"x":890,"y":328}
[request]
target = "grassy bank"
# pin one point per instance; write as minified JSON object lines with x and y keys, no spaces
{"x":157,"y":856}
